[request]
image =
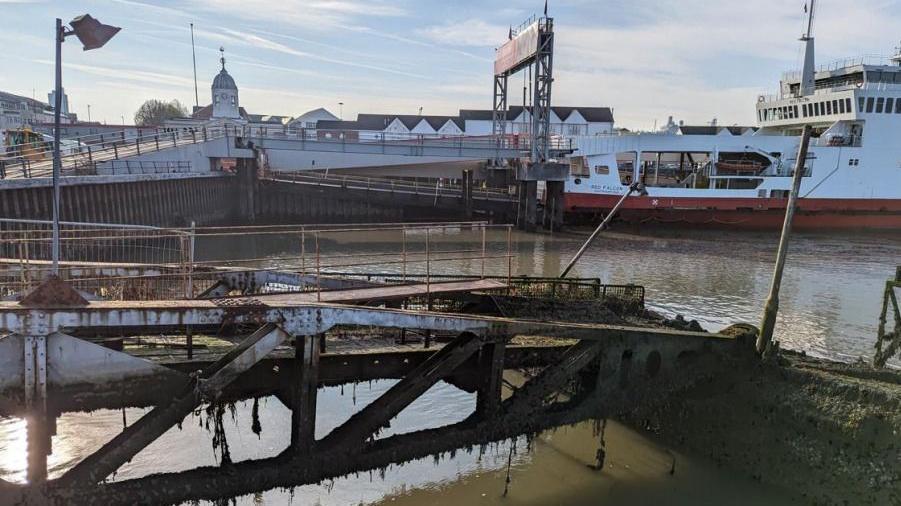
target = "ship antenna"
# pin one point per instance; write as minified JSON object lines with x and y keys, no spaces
{"x":807,"y":86}
{"x":810,"y":19}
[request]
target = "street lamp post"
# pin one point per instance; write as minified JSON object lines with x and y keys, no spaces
{"x":92,"y":34}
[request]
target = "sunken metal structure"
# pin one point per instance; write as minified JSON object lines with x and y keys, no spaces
{"x":597,"y":369}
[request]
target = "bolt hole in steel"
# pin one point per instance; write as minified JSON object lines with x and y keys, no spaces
{"x":652,"y":363}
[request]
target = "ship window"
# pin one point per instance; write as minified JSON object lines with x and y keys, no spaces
{"x":841,"y":106}
{"x":804,"y":110}
{"x":602,"y":170}
{"x":816,"y":109}
{"x":889,"y":105}
{"x":848,"y":105}
{"x":898,"y":106}
{"x":828,"y":105}
{"x":835,"y":107}
{"x":860,"y":102}
{"x":880,"y":104}
{"x":870,"y":101}
{"x":795,"y":111}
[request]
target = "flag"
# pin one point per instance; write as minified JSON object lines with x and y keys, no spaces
{"x":510,"y":33}
{"x":805,"y":8}
{"x":545,"y":8}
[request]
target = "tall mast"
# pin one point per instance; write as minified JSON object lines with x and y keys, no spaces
{"x":808,"y":72}
{"x":810,"y":19}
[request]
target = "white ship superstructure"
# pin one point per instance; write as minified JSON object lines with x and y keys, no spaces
{"x":742,"y":176}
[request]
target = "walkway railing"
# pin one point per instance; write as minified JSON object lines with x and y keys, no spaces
{"x":525,"y":286}
{"x":83,"y":159}
{"x":437,"y":187}
{"x":80,"y":156}
{"x":132,"y":262}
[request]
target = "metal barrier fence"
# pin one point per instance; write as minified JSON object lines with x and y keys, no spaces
{"x":130,"y":262}
{"x":88,"y":251}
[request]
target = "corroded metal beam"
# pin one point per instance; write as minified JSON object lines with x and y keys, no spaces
{"x":379,"y":412}
{"x":154,"y":424}
{"x":297,"y":319}
{"x":531,"y":396}
{"x":306,"y":319}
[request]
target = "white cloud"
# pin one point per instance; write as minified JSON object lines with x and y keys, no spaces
{"x":312,"y":14}
{"x":144,"y":76}
{"x":257,"y":41}
{"x":471,"y":32}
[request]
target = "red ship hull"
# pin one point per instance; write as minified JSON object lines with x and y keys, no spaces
{"x":747,"y":213}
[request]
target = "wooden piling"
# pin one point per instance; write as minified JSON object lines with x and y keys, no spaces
{"x":771,"y":309}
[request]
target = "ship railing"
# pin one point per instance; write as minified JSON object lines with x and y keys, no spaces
{"x":841,"y":63}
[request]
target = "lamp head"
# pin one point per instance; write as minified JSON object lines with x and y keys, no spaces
{"x":92,"y":33}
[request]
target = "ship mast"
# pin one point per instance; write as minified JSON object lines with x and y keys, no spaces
{"x":808,"y":80}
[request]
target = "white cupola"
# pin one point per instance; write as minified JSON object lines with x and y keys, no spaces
{"x":225,"y":93}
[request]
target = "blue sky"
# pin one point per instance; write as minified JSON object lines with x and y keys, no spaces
{"x":648,"y":59}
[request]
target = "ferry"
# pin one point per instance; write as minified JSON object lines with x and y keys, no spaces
{"x":741,"y":177}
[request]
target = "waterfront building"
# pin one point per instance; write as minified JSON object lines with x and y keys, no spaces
{"x":17,"y":111}
{"x":565,"y":122}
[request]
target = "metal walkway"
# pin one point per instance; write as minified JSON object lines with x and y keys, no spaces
{"x":172,"y":152}
{"x":373,"y":294}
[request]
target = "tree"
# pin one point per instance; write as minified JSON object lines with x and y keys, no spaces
{"x":155,"y":112}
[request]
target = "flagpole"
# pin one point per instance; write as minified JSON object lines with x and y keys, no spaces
{"x":194,"y":59}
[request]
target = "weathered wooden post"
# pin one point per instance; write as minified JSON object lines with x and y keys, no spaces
{"x":771,"y":309}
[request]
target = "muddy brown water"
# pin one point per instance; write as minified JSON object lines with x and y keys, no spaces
{"x":829,"y":306}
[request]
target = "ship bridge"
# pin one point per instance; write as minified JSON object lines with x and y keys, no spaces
{"x":849,"y":91}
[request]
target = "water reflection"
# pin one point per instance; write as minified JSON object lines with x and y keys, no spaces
{"x":829,"y":305}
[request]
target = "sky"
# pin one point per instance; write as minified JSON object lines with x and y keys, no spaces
{"x":647,"y":59}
